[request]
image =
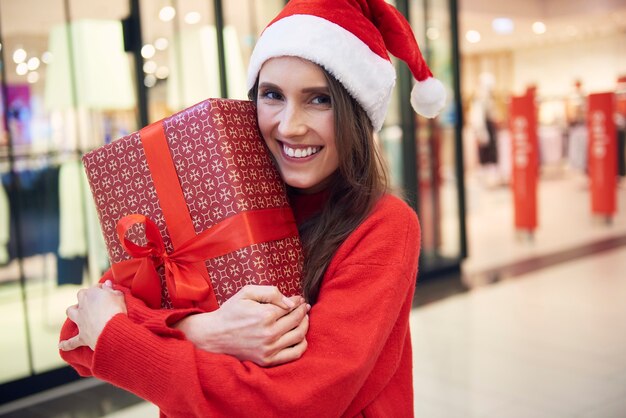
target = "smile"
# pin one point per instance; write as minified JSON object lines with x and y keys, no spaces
{"x":300,"y":152}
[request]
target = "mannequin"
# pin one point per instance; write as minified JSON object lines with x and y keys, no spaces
{"x":484,"y":129}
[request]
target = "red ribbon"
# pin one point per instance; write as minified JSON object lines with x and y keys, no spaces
{"x":185,"y":282}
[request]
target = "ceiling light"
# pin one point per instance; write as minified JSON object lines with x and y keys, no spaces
{"x":167,"y":13}
{"x":162,"y":73}
{"x":33,"y":63}
{"x":32,"y":77}
{"x":46,"y":57}
{"x":19,"y":55}
{"x":149,"y":80}
{"x":192,"y":18}
{"x":147,"y":51}
{"x":502,"y":25}
{"x":149,"y":67}
{"x":472,"y":36}
{"x":161,"y":44}
{"x":21,"y":68}
{"x":539,"y":28}
{"x":432,"y":33}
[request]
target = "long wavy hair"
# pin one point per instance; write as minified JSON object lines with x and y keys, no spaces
{"x":357,"y":185}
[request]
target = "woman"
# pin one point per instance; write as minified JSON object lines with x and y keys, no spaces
{"x":317,"y":117}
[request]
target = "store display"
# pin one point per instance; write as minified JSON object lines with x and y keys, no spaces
{"x":525,"y":170}
{"x":602,"y":154}
{"x":200,"y":182}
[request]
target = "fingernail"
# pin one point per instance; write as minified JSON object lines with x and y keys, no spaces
{"x":288,"y":302}
{"x":308,"y":307}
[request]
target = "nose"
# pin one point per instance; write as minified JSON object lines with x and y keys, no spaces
{"x":292,"y":121}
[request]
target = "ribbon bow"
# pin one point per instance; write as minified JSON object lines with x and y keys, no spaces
{"x":186,"y":276}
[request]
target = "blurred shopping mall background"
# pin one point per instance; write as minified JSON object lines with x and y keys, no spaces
{"x":519,"y":308}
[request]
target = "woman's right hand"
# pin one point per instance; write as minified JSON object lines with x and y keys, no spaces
{"x":258,"y":324}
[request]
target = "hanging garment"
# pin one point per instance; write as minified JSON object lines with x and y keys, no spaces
{"x":72,"y":232}
{"x":577,"y":147}
{"x":488,"y":150}
{"x":80,"y":237}
{"x":37,"y":203}
{"x":70,"y":270}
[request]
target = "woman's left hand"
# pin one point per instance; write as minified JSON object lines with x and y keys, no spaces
{"x":96,"y":306}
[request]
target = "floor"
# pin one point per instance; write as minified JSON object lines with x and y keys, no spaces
{"x":535,"y":327}
{"x":540,"y":330}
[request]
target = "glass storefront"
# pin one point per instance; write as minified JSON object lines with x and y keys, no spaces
{"x":67,"y":88}
{"x":425,"y":155}
{"x":77,"y":74}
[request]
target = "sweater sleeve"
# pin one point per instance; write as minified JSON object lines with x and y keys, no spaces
{"x":366,"y":288}
{"x":158,"y":321}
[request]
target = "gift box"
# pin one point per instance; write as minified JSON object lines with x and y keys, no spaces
{"x":192,"y":208}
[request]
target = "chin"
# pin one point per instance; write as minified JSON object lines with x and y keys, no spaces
{"x":299,"y":184}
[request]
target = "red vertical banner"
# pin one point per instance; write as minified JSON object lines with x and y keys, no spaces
{"x":602,"y":152}
{"x":525,"y":161}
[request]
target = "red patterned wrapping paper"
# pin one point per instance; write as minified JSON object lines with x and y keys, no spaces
{"x":224,"y":171}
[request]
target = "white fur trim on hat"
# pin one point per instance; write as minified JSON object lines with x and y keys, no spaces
{"x":367,"y":76}
{"x":428,"y":97}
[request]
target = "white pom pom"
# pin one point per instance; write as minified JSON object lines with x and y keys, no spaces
{"x":428,"y":97}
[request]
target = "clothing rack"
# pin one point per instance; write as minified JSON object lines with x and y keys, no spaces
{"x":35,"y":160}
{"x":5,"y":156}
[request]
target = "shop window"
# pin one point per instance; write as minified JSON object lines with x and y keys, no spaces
{"x":69,"y":90}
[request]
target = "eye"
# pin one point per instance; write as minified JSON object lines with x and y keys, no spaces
{"x":271,"y":95}
{"x":322,"y":99}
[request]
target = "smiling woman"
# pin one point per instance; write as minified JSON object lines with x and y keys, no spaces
{"x":361,"y":246}
{"x":297,"y":122}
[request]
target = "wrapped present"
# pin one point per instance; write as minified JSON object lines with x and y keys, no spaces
{"x":192,"y":208}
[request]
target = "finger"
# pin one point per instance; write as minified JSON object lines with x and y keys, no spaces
{"x":289,"y":354}
{"x":268,"y":294}
{"x":70,"y":344}
{"x":291,"y":320}
{"x":108,"y":285}
{"x":293,"y":336}
{"x":72,"y":313}
{"x":80,"y":296}
{"x":297,"y":300}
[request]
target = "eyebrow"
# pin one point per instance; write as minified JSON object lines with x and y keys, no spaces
{"x":312,"y":89}
{"x":320,"y":89}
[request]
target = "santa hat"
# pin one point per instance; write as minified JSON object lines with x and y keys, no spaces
{"x":350,"y":39}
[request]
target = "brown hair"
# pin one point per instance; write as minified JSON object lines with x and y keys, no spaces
{"x":358,"y":183}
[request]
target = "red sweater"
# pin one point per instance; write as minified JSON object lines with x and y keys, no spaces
{"x":358,"y":361}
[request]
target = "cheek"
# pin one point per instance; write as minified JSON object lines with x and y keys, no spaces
{"x":326,"y":128}
{"x":264,"y":119}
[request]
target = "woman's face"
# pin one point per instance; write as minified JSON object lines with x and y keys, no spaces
{"x":297,"y":121}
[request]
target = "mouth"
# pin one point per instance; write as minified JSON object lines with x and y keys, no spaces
{"x":300,"y":152}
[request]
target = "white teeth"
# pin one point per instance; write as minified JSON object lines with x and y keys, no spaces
{"x":299,"y":152}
